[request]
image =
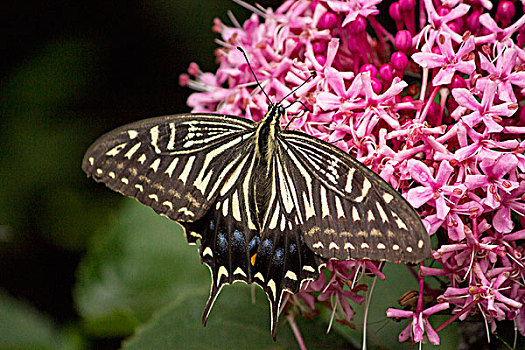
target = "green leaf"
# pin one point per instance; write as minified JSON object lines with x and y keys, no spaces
{"x":133,"y":267}
{"x":24,"y":327}
{"x":234,"y":323}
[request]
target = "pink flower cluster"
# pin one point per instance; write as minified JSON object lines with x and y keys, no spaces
{"x":436,"y":108}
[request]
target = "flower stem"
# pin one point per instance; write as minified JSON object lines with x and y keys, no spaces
{"x":367,"y":307}
{"x":296,"y":331}
{"x":428,"y":104}
{"x":419,"y":307}
{"x":456,"y":316}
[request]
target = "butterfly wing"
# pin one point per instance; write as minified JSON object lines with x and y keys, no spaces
{"x":173,"y":164}
{"x":198,"y":170}
{"x":345,"y":210}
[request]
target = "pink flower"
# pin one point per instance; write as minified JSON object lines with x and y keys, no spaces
{"x":439,"y":23}
{"x":335,"y":289}
{"x":448,"y":61}
{"x":501,"y":36}
{"x":420,"y":324}
{"x":493,"y":301}
{"x":513,"y":201}
{"x":352,"y":9}
{"x":376,"y":106}
{"x":502,"y":74}
{"x":485,"y":111}
{"x":435,"y":188}
{"x":492,"y":180}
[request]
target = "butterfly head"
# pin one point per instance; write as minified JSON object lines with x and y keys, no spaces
{"x":275,"y":112}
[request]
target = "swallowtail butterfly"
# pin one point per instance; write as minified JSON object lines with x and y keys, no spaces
{"x":269,"y":205}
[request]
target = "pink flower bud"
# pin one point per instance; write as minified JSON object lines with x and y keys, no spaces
{"x":328,"y":20}
{"x":455,"y":27}
{"x":407,"y":5}
{"x":458,"y":82}
{"x":399,"y":61}
{"x":321,"y":59}
{"x":217,"y":25}
{"x":386,"y":73}
{"x":376,"y":85}
{"x":357,"y":26}
{"x":184,"y":79}
{"x":407,"y":99}
{"x":194,"y":69}
{"x":506,"y":10}
{"x":369,"y":68}
{"x":443,"y":11}
{"x":460,"y":21}
{"x":319,"y":46}
{"x":433,"y":112}
{"x":403,"y":41}
{"x":521,"y":37}
{"x":395,"y":12}
{"x":473,"y":21}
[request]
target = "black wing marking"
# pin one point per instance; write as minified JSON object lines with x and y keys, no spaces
{"x":174,"y":164}
{"x":345,"y":210}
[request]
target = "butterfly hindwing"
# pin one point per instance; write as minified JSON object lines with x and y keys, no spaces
{"x":346,"y":210}
{"x":235,"y":248}
{"x":228,"y":232}
{"x":173,"y":164}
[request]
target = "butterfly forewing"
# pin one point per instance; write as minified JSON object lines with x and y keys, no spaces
{"x":346,"y":210}
{"x":173,"y":164}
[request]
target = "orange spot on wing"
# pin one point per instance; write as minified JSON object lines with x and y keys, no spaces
{"x":253,"y":259}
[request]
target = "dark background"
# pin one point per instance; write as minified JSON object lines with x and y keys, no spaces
{"x":72,"y":70}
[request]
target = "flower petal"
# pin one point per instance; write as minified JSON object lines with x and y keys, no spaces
{"x":419,"y":196}
{"x":444,"y":76}
{"x":431,"y":334}
{"x":465,"y":98}
{"x":420,"y":172}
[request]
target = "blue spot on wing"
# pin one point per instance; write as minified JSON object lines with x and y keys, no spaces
{"x":222,"y":242}
{"x":265,"y":248}
{"x":278,"y":256}
{"x":237,"y":239}
{"x":254,"y":244}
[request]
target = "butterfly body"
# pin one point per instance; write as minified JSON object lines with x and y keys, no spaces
{"x":269,"y":205}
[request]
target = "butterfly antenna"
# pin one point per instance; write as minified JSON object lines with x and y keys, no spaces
{"x":297,"y":101}
{"x":312,"y":74}
{"x":253,"y":73}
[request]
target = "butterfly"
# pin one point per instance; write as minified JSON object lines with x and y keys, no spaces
{"x":269,"y":205}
